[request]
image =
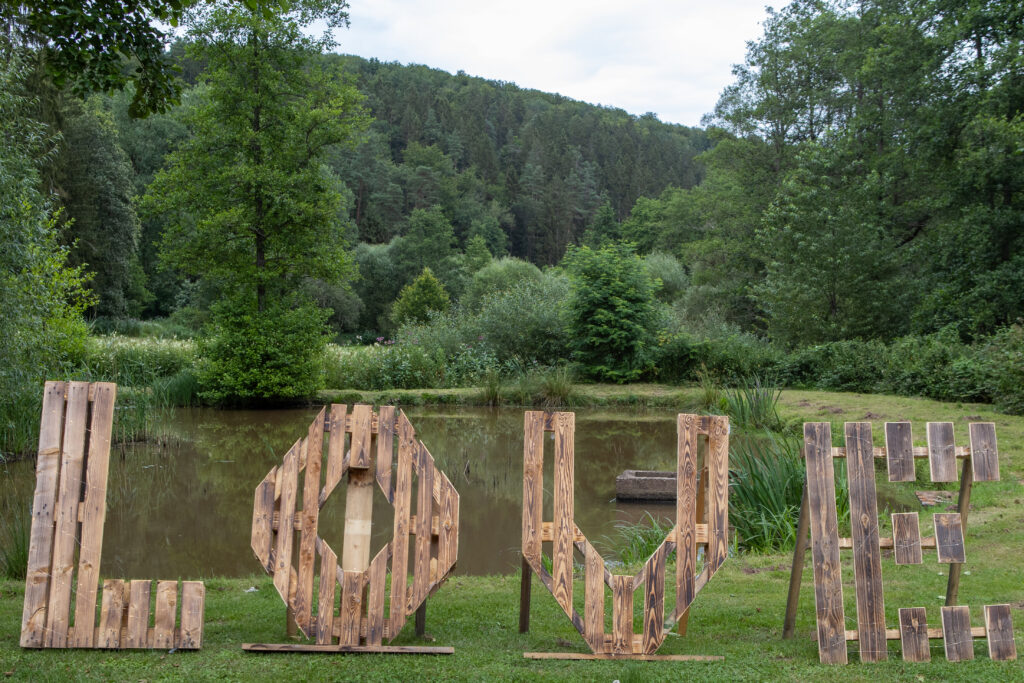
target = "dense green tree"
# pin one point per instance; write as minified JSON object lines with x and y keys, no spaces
{"x":428,"y":243}
{"x":249,"y":203}
{"x":41,"y":328}
{"x":97,"y":190}
{"x":477,"y":255}
{"x":610,"y":311}
{"x":498,"y":276}
{"x":420,"y":298}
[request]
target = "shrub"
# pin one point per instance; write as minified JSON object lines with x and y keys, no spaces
{"x":734,"y":357}
{"x":384,"y":366}
{"x":527,"y":322}
{"x":764,"y":491}
{"x":670,"y":272}
{"x":1002,"y":358}
{"x":419,"y":299}
{"x":499,"y":275}
{"x":270,"y":356}
{"x":136,"y":362}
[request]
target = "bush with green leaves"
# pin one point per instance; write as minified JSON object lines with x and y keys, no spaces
{"x":527,"y":323}
{"x":1003,"y":360}
{"x":610,"y":312}
{"x":420,"y":298}
{"x":667,"y":269}
{"x":499,"y":275}
{"x":270,"y":356}
{"x":384,"y":366}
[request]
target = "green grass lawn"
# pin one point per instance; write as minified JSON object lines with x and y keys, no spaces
{"x":738,"y":615}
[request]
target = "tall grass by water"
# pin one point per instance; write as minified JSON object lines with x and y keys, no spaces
{"x":15,"y":523}
{"x":754,"y":404}
{"x":634,"y":543}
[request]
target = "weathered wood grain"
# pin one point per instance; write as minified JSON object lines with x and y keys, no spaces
{"x":111,"y":610}
{"x":350,"y":611}
{"x":718,"y":493}
{"x":407,"y":450}
{"x":424,"y":513}
{"x":66,"y":530}
{"x":262,"y":540}
{"x":956,"y":633}
{"x":448,"y":523}
{"x":94,"y":509}
{"x":828,"y":586}
{"x":44,"y":503}
{"x":593,"y":610}
{"x":338,"y":649}
{"x":138,"y":615}
{"x":325,"y":601}
{"x":906,"y":538}
{"x":377,"y":578}
{"x":999,"y":632}
{"x":941,"y":451}
{"x":914,"y":634}
{"x":385,"y":451}
{"x":336,"y":465}
{"x":303,"y":606}
{"x":193,"y":602}
{"x":562,"y":550}
{"x":622,"y":615}
{"x":867,"y":559}
{"x":984,"y":451}
{"x":654,"y":600}
{"x":533,"y":483}
{"x":686,"y":510}
{"x":287,"y":478}
{"x":642,"y":658}
{"x":166,"y":611}
{"x":949,"y":537}
{"x":899,"y":447}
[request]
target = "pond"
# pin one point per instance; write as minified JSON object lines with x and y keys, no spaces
{"x":181,"y":506}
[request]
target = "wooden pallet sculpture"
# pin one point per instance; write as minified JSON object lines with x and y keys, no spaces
{"x":818,"y":510}
{"x":359,"y":624}
{"x":689,"y":533}
{"x":68,"y":513}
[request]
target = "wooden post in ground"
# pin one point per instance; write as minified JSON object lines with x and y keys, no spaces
{"x":797,"y":571}
{"x":524,"y":597}
{"x":421,"y":620}
{"x":963,"y":505}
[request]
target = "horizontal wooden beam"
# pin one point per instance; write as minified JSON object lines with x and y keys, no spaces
{"x":933,"y":632}
{"x":547,"y":533}
{"x":919,"y":452}
{"x":352,"y":649}
{"x":642,"y":658}
{"x":847,"y":543}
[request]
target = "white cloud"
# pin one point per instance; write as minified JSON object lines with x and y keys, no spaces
{"x":669,"y":57}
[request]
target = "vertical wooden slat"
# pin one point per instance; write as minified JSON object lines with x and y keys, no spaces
{"x":95,"y":509}
{"x":335,"y":451}
{"x":686,"y":510}
{"x":262,"y":540}
{"x":138,"y":615}
{"x":44,"y":501}
{"x":111,"y":610}
{"x":718,"y":493}
{"x":561,"y":574}
{"x":593,"y":611}
{"x":984,"y":451}
{"x":400,"y":538}
{"x":310,"y":514}
{"x":377,"y":576}
{"x":193,"y":601}
{"x":385,"y":449}
{"x":66,"y":530}
{"x":533,"y":484}
{"x":325,"y":605}
{"x":654,"y":600}
{"x":622,"y":615}
{"x":914,"y":634}
{"x":956,"y":633}
{"x":448,"y":526}
{"x":166,"y":608}
{"x":899,"y":451}
{"x":867,"y":560}
{"x":949,"y":538}
{"x":906,"y":538}
{"x":362,"y":418}
{"x":287,"y":477}
{"x":828,"y":585}
{"x":350,"y":613}
{"x":999,"y":632}
{"x":424,"y":515}
{"x":941,"y":451}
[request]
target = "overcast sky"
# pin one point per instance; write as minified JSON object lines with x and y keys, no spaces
{"x":670,"y":57}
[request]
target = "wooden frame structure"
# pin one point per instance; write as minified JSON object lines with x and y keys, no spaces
{"x":689,"y":533}
{"x":359,"y":623}
{"x":818,"y":511}
{"x":68,"y":513}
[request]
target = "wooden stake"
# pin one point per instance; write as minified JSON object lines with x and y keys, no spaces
{"x":524,"y":597}
{"x":963,"y":505}
{"x":797,"y":571}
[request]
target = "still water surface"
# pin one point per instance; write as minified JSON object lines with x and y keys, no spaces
{"x":182,"y":506}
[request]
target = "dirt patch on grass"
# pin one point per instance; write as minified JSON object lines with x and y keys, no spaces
{"x":761,"y":570}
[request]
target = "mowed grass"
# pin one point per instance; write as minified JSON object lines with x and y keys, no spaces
{"x":738,"y":615}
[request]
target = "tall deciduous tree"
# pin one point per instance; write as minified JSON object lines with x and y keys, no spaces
{"x":251,"y":207}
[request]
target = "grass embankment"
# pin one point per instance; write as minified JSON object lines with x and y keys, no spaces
{"x":738,"y":615}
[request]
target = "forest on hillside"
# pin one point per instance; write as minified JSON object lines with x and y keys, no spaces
{"x":850,"y":216}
